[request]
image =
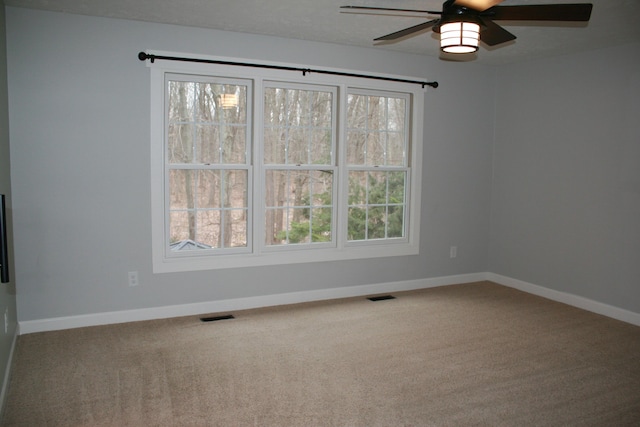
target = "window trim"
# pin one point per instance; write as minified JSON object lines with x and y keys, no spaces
{"x":260,"y":167}
{"x":406,"y":167}
{"x":344,"y":250}
{"x":247,"y":165}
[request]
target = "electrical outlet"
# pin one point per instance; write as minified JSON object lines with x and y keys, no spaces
{"x":133,"y":278}
{"x":453,"y":252}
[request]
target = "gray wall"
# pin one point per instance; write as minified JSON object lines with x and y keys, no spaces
{"x":566,"y":191}
{"x":79,"y":119}
{"x":7,"y":290}
{"x":554,"y":201}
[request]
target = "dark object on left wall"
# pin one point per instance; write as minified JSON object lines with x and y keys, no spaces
{"x":4,"y":253}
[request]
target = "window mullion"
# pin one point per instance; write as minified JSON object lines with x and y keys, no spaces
{"x":257,"y":204}
{"x":342,"y":196}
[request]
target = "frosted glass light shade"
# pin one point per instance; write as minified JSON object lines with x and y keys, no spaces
{"x":459,"y":37}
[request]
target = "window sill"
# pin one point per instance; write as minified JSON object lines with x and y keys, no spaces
{"x":162,"y":264}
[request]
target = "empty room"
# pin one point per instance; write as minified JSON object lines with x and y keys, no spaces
{"x":296,"y":213}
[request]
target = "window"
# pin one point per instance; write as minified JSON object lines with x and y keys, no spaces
{"x":262,"y":167}
{"x":299,"y":164}
{"x":377,"y":166}
{"x":207,"y":164}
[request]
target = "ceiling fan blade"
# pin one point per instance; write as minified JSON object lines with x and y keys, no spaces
{"x":478,"y":5}
{"x":408,"y":31}
{"x":542,"y":12}
{"x":493,"y":34}
{"x":368,"y":9}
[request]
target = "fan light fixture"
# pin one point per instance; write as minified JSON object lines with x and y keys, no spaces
{"x":228,"y":100}
{"x":459,"y":37}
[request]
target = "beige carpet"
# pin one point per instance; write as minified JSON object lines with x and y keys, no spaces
{"x":473,"y":354}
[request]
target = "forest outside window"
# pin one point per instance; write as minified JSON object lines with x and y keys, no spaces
{"x":207,"y":165}
{"x":377,"y":166}
{"x":257,"y":170}
{"x":299,"y":164}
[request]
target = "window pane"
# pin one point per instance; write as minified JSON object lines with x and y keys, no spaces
{"x":299,"y":206}
{"x":321,"y":225}
{"x":208,"y":145}
{"x":395,"y":221}
{"x":204,"y":126}
{"x":321,"y":187}
{"x":376,"y":222}
{"x":298,"y":126}
{"x":357,"y":188}
{"x":395,"y":149}
{"x":321,"y":110}
{"x":179,"y":226}
{"x":182,"y":184}
{"x":376,"y":112}
{"x":233,"y":144}
{"x":181,"y":101}
{"x":237,"y":222}
{"x":236,"y":186}
{"x":356,"y":111}
{"x":320,"y":153}
{"x":298,"y":147}
{"x":357,"y":224}
{"x":180,"y":140}
{"x":376,"y":204}
{"x":275,"y":188}
{"x":375,"y":148}
{"x":356,"y":148}
{"x":274,"y":146}
{"x":397,"y":182}
{"x":206,"y":99}
{"x":397,"y":114}
{"x":208,"y":190}
{"x":276,"y":225}
{"x":376,"y":133}
{"x":208,"y":229}
{"x":199,"y":202}
{"x":233,"y":99}
{"x":377,"y":188}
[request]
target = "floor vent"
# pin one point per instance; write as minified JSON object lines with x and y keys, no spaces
{"x":216,"y":318}
{"x":381,"y":298}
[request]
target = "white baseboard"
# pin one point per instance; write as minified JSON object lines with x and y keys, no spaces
{"x":570,"y":299}
{"x":221,"y":306}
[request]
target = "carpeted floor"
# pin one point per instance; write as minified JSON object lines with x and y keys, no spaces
{"x":472,"y":354}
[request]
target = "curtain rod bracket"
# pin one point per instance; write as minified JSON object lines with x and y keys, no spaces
{"x":143,"y":56}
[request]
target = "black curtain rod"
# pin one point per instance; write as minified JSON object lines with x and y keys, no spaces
{"x":143,"y":56}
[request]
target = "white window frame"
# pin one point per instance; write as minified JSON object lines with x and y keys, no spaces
{"x":260,"y":255}
{"x":259,"y":239}
{"x":406,"y":167}
{"x":220,"y":167}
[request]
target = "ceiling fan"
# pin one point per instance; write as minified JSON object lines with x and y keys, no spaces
{"x":463,"y":22}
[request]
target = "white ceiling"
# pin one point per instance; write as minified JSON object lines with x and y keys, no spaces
{"x":613,"y":22}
